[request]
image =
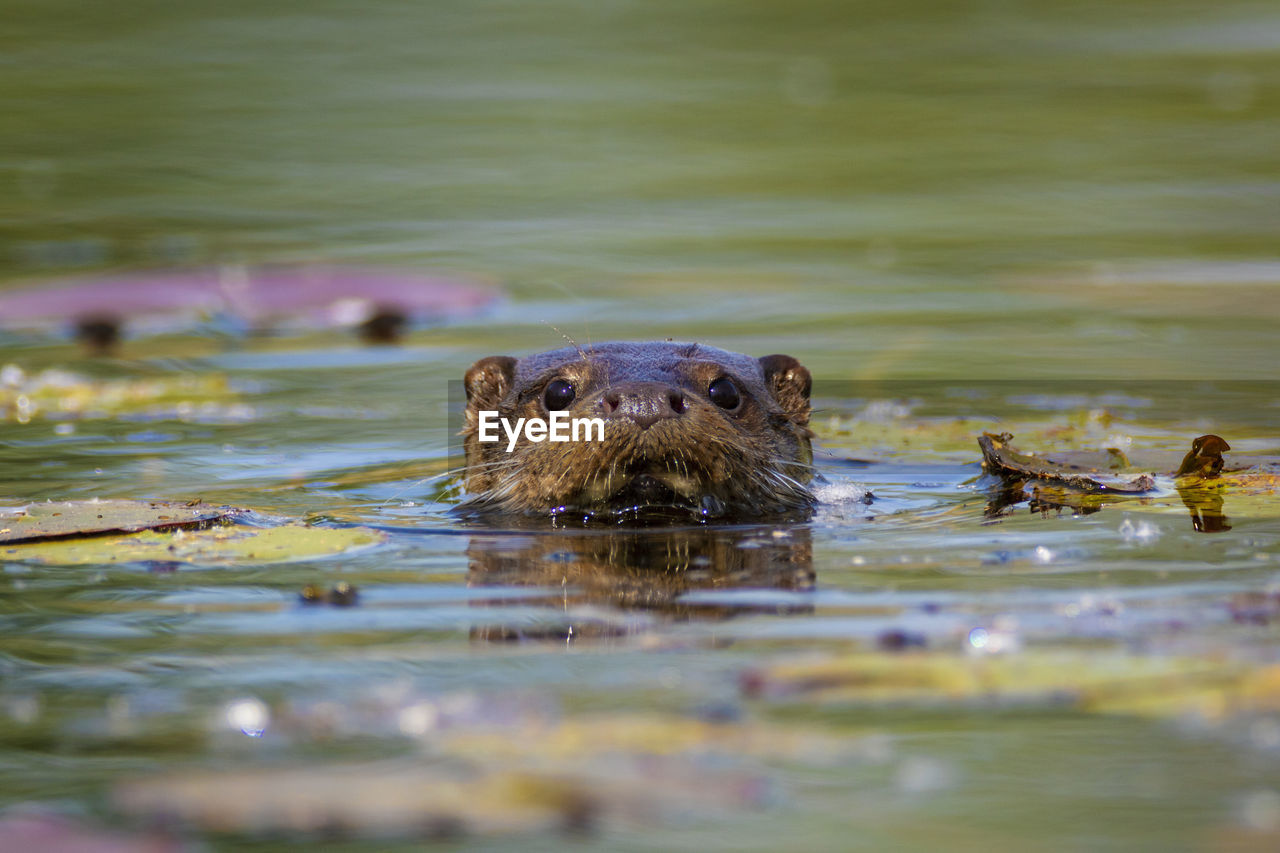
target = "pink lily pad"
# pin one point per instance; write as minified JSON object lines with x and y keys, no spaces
{"x":260,"y":299}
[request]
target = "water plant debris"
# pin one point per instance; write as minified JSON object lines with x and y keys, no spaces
{"x":1002,"y":459}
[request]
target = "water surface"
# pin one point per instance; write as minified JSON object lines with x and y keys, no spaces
{"x":1058,"y":219}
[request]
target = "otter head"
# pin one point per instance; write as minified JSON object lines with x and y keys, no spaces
{"x":688,"y":430}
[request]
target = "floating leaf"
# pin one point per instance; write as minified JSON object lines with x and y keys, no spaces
{"x":224,"y":544}
{"x":40,"y":521}
{"x":59,"y":394}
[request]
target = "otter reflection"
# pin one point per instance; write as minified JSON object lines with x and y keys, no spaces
{"x":643,"y":569}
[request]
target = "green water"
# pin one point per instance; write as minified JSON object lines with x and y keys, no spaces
{"x":955,"y":195}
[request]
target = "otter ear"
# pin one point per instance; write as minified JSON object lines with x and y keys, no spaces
{"x":489,"y":380}
{"x":789,"y":383}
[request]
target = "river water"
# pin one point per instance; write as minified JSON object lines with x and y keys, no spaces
{"x":1054,"y":219}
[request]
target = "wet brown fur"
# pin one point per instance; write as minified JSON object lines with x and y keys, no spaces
{"x":752,"y":461}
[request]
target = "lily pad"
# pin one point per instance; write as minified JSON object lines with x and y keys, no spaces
{"x":379,"y":302}
{"x":60,"y":395}
{"x":218,"y":545}
{"x":65,"y":519}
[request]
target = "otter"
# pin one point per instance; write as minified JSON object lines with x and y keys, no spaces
{"x":690,"y":431}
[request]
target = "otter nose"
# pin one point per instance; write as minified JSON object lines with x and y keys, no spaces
{"x":644,"y":403}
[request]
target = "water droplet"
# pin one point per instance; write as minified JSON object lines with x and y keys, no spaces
{"x":249,"y":715}
{"x":1143,"y":532}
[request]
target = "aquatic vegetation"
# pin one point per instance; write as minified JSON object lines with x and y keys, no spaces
{"x":58,"y":520}
{"x":98,"y":532}
{"x":963,"y":218}
{"x":223,"y":545}
{"x":60,"y":395}
{"x":484,"y":776}
{"x":1063,"y":681}
{"x":1000,"y":458}
{"x":1086,"y":482}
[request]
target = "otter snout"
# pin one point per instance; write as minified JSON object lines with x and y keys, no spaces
{"x":643,"y":403}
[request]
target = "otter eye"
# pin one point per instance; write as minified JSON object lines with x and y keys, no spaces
{"x":724,"y":393}
{"x":559,"y":395}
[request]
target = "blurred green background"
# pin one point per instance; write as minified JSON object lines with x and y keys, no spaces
{"x":932,"y":188}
